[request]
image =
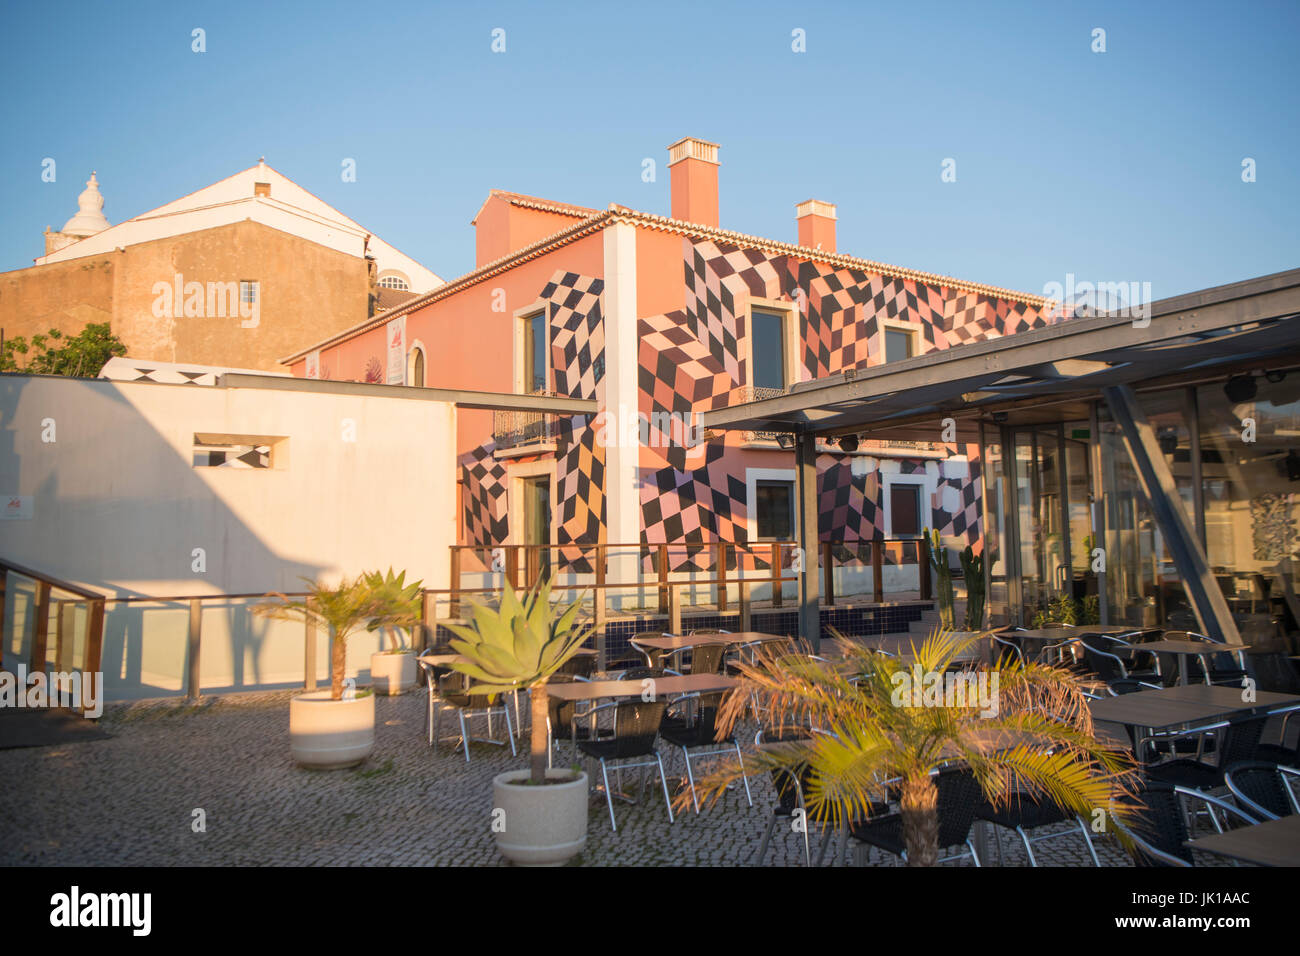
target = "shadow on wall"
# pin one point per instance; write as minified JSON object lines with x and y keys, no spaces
{"x":118,"y":508}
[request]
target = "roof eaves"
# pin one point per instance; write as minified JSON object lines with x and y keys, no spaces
{"x":541,"y":247}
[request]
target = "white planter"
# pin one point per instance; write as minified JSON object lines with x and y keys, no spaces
{"x":392,"y":673}
{"x":541,"y":826}
{"x":331,"y":734}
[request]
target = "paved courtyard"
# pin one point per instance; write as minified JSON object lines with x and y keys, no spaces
{"x":131,"y":800}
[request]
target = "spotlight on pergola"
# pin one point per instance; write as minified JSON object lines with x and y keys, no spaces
{"x":849,"y":443}
{"x":1240,"y":388}
{"x":785,"y":440}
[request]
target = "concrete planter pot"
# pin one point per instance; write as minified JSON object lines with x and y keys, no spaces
{"x":327,"y":734}
{"x":392,"y":673}
{"x":541,"y":826}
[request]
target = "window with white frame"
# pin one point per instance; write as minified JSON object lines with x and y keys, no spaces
{"x":904,"y":509}
{"x":248,"y":291}
{"x":773,"y":515}
{"x":900,"y":342}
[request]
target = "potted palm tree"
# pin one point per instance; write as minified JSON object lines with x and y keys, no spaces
{"x":1035,"y":738}
{"x":392,"y":670}
{"x":333,"y":729}
{"x":540,"y":814}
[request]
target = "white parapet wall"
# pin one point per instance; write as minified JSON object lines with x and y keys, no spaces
{"x":109,"y":491}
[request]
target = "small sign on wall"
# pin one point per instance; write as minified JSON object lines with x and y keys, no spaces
{"x":313,"y":364}
{"x":19,"y":507}
{"x":397,"y":351}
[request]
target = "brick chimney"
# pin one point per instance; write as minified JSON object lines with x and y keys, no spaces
{"x":816,"y":224}
{"x":693,"y":168}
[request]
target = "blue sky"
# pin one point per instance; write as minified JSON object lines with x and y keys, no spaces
{"x":1115,"y":166}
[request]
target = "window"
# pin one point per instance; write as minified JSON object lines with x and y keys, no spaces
{"x":767,"y":335}
{"x":394,"y":281}
{"x":248,"y":292}
{"x":905,"y":510}
{"x":774,"y":510}
{"x":262,"y":189}
{"x":415,"y":369}
{"x":240,"y":451}
{"x":899,"y":344}
{"x":535,"y":370}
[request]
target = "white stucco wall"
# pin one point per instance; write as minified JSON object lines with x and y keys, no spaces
{"x":118,"y":506}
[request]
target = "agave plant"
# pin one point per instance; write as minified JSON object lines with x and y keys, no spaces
{"x":520,"y":645}
{"x":1035,"y":737}
{"x":398,"y":602}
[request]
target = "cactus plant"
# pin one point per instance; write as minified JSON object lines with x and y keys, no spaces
{"x":972,"y":566}
{"x":942,"y":576}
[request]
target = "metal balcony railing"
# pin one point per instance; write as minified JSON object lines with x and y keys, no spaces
{"x":514,"y":428}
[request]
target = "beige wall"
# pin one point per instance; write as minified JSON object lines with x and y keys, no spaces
{"x":120,"y":508}
{"x":308,"y":291}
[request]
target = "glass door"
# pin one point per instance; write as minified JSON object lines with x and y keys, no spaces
{"x":537,"y":522}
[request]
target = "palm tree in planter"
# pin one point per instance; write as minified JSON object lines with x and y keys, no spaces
{"x":392,"y":671}
{"x":885,"y":724}
{"x":539,"y":815}
{"x":331,"y":730}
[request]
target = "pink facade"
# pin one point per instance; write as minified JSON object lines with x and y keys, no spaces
{"x":695,"y":289}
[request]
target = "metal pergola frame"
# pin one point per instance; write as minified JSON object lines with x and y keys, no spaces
{"x":1202,"y":334}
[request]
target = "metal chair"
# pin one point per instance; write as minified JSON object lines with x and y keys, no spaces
{"x":654,"y":657}
{"x":636,"y":728}
{"x":564,"y":718}
{"x":1262,"y":788}
{"x":702,"y":732}
{"x":959,"y":797}
{"x":790,"y":789}
{"x":451,"y":693}
{"x":1159,"y":832}
{"x":1235,"y":741}
{"x":1100,"y":653}
{"x":1024,"y":813}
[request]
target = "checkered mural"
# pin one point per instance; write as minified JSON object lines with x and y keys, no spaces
{"x":577,"y":344}
{"x":693,"y":359}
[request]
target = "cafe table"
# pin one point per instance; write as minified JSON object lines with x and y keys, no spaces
{"x":1169,"y":707}
{"x":1271,"y":843}
{"x":667,"y":646}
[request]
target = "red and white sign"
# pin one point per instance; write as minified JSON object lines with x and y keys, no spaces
{"x":313,"y":364}
{"x":397,"y":351}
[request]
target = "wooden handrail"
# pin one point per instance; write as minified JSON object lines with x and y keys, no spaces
{"x":8,"y":566}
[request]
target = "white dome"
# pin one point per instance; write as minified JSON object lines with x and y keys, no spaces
{"x":90,"y":212}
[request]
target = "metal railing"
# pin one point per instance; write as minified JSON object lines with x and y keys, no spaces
{"x":515,"y":428}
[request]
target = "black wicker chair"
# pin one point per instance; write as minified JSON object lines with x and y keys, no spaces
{"x":1024,"y":813}
{"x":1158,"y":830}
{"x":1235,"y":742}
{"x":959,"y":797}
{"x":631,"y":745}
{"x":701,"y":731}
{"x":1261,"y":788}
{"x":451,"y":693}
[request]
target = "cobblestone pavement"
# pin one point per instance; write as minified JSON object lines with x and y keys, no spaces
{"x":130,"y":801}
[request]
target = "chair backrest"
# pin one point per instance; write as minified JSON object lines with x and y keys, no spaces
{"x":959,"y":797}
{"x":1239,"y":741}
{"x":1159,"y":821}
{"x":789,"y":788}
{"x":580,"y":665}
{"x":561,"y":711}
{"x":707,"y":707}
{"x":451,"y":688}
{"x":1101,"y":660}
{"x":636,"y":725}
{"x":641,"y":673}
{"x":707,"y":658}
{"x":1262,"y":788}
